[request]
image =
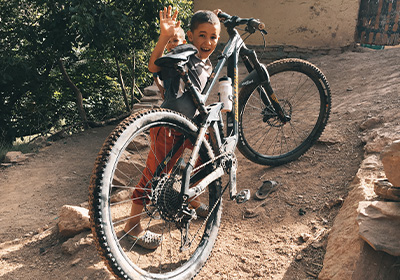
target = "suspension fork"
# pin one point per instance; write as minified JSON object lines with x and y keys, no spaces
{"x":266,"y":92}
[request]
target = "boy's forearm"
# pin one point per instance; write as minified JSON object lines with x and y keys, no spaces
{"x":157,"y":53}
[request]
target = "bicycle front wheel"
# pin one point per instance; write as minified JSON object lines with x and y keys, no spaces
{"x":304,"y":95}
{"x":120,"y":169}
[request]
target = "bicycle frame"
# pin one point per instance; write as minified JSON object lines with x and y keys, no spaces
{"x":211,"y":117}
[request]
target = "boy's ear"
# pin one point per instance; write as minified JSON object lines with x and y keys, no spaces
{"x":190,"y":35}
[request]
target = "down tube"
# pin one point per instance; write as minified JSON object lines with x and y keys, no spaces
{"x":233,"y":116}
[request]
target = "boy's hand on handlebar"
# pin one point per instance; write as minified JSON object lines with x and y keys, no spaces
{"x":220,"y":14}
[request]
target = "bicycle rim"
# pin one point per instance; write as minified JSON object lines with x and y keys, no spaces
{"x":304,"y":95}
{"x":118,"y":169}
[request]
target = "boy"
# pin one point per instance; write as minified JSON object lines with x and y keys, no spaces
{"x":203,"y":34}
{"x":177,"y":39}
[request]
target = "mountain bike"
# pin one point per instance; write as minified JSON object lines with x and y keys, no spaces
{"x":279,"y":112}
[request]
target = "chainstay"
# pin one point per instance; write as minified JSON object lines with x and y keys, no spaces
{"x":209,"y":213}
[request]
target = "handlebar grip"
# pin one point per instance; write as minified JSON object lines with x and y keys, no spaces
{"x":223,"y":15}
{"x":255,"y":23}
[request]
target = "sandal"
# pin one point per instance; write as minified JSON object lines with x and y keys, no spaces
{"x":148,"y":240}
{"x":266,"y":188}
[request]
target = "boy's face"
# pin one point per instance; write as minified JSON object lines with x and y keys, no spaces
{"x":175,"y":41}
{"x":205,"y":38}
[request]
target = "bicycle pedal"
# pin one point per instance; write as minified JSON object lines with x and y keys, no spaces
{"x":243,"y":196}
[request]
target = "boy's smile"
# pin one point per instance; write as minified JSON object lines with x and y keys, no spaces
{"x":205,"y":38}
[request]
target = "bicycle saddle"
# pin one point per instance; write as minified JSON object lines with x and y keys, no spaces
{"x":178,"y":54}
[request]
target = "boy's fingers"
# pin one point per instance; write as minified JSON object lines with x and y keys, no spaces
{"x":169,"y":11}
{"x":178,"y":24}
{"x":175,"y":15}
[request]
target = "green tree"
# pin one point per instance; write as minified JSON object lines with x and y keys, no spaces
{"x":100,"y":47}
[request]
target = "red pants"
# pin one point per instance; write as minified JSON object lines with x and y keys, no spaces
{"x":162,"y":141}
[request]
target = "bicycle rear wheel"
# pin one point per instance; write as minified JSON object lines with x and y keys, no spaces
{"x":119,"y":167}
{"x":303,"y":93}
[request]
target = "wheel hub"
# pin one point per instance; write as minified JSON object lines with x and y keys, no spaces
{"x":271,"y":117}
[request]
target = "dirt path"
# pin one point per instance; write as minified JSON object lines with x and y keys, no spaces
{"x":268,"y":246}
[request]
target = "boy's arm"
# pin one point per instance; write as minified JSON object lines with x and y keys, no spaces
{"x":168,"y":25}
{"x":160,"y":87}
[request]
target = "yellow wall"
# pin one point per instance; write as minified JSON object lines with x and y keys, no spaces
{"x":305,"y":24}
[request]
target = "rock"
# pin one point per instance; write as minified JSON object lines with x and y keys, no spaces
{"x":123,"y":195}
{"x":73,"y":245}
{"x":73,"y":220}
{"x":377,"y":145}
{"x":371,"y":123}
{"x":384,"y":189}
{"x":151,"y":90}
{"x":76,"y":261}
{"x":344,"y":239}
{"x":379,"y":224}
{"x":390,"y":157}
{"x":128,"y":168}
{"x":150,"y":99}
{"x":139,"y":143}
{"x":334,"y":202}
{"x":305,"y":236}
{"x":15,"y":157}
{"x":331,"y":136}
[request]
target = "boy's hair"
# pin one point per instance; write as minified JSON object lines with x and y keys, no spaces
{"x":181,"y":33}
{"x":203,"y":16}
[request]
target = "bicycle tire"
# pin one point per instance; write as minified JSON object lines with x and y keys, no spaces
{"x":304,"y":93}
{"x":124,"y":259}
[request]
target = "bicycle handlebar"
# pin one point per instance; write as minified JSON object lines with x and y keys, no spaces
{"x":233,"y":21}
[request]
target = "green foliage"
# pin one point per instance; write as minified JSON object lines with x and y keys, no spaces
{"x":89,"y":36}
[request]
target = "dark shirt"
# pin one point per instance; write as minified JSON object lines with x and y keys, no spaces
{"x":175,"y":97}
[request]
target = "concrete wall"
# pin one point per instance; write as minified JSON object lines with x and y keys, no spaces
{"x":325,"y":24}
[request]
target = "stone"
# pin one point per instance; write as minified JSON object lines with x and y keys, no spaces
{"x":379,"y":224}
{"x":377,"y":145}
{"x":305,"y":236}
{"x":73,"y":220}
{"x":151,"y":90}
{"x":384,"y":189}
{"x":139,"y":143}
{"x":128,"y":170}
{"x":331,"y":136}
{"x":141,"y":106}
{"x":15,"y":157}
{"x":371,"y":123}
{"x":150,"y":99}
{"x":73,"y":245}
{"x":122,"y":195}
{"x":344,"y":248}
{"x":390,"y":157}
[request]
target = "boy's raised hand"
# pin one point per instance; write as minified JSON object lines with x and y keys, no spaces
{"x":168,"y":23}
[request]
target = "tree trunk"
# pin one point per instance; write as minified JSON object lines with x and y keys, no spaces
{"x":121,"y":81}
{"x":133,"y":76}
{"x":78,"y":94}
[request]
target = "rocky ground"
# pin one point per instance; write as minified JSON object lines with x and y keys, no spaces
{"x":286,"y":238}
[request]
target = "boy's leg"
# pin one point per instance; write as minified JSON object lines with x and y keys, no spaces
{"x":133,"y":226}
{"x":162,"y":141}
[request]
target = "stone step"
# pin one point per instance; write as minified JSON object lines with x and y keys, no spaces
{"x":150,"y":99}
{"x":151,"y":91}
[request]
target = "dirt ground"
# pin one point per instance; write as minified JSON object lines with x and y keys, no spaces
{"x":271,"y":245}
